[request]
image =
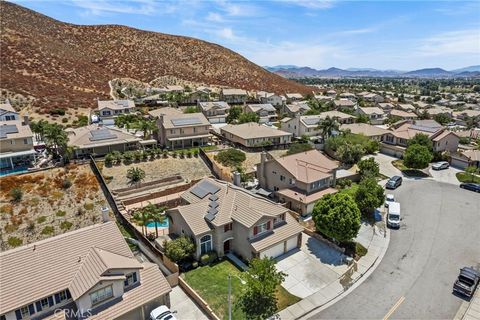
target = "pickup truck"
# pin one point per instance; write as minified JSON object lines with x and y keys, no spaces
{"x":467,"y":281}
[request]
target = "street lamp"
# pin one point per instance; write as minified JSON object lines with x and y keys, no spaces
{"x":230,"y":293}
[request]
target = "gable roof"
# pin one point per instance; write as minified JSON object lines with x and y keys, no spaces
{"x":37,"y":270}
{"x":208,"y":105}
{"x":234,"y":92}
{"x":297,"y":107}
{"x":261,"y":106}
{"x":97,"y":135}
{"x":115,"y":104}
{"x":14,"y":129}
{"x":365,"y":129}
{"x":371,"y":110}
{"x":6,"y":107}
{"x":403,"y":114}
{"x":253,"y":130}
{"x":308,"y":166}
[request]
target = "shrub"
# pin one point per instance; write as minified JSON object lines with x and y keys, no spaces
{"x":88,"y":206}
{"x":60,"y":213}
{"x":208,"y":258}
{"x":343,"y":183}
{"x":182,"y":154}
{"x":66,"y":183}
{"x":179,"y":249}
{"x":189,"y":153}
{"x":231,"y":157}
{"x":299,"y":147}
{"x":41,"y":219}
{"x":6,"y":209}
{"x":65,"y":225}
{"x":165,"y":154}
{"x":109,"y":159}
{"x":151,"y":236}
{"x":64,"y":120}
{"x":145,"y":155}
{"x":360,"y":250}
{"x":9,"y":228}
{"x":31,"y":226}
{"x":57,"y":112}
{"x":128,"y":157}
{"x":80,"y":211}
{"x":417,"y":156}
{"x":195,"y":153}
{"x":174,"y":154}
{"x":47,"y":230}
{"x":137,"y":155}
{"x":16,"y":194}
{"x":14,"y":242}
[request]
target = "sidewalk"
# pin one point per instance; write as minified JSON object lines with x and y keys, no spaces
{"x":473,"y":310}
{"x":377,"y":244}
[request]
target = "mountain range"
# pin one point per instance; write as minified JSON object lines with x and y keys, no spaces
{"x":68,"y":66}
{"x":291,"y":71}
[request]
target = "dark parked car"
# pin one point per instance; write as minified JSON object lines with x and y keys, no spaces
{"x":467,"y":281}
{"x":394,"y":182}
{"x":471,"y":186}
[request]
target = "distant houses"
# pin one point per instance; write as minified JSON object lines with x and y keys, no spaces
{"x":16,"y":144}
{"x":266,"y":112}
{"x":234,"y":96}
{"x":308,"y":125}
{"x":7,"y":112}
{"x":254,"y":135}
{"x":215,"y":111}
{"x":113,"y":108}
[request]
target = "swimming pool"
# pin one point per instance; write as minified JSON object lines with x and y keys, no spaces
{"x":152,"y":224}
{"x":12,"y":171}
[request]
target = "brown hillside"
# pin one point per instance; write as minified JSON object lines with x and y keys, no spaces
{"x":65,"y":65}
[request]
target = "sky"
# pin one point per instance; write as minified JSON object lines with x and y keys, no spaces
{"x":398,"y":35}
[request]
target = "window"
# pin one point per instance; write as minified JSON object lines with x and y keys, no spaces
{"x":205,"y":244}
{"x":7,"y":118}
{"x":101,"y":295}
{"x":25,"y":313}
{"x":130,"y":279}
{"x":275,"y":188}
{"x":62,"y":296}
{"x":228,"y":227}
{"x":44,"y":303}
{"x":25,"y":141}
{"x":261,"y":228}
{"x":274,"y":172}
{"x":291,"y":181}
{"x":278,"y":219}
{"x":282,"y":178}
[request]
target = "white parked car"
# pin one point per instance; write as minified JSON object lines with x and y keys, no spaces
{"x":389,"y":198}
{"x":440,"y":165}
{"x":162,"y":313}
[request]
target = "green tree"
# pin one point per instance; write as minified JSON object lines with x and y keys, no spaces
{"x":135,"y":176}
{"x":234,"y":113}
{"x":259,"y":300}
{"x":424,"y":115}
{"x":156,"y":214}
{"x":231,"y":157}
{"x":442,"y":118}
{"x":191,"y":109}
{"x":471,"y":171}
{"x":472,"y":122}
{"x":337,"y":216}
{"x":423,"y":140}
{"x":298,"y":148}
{"x":369,"y":195}
{"x":142,"y":218}
{"x":362,"y":118}
{"x":327,"y":126}
{"x":246,"y":117}
{"x":55,"y":138}
{"x":147,"y":126}
{"x":417,"y":156}
{"x":368,"y":168}
{"x":350,"y":153}
{"x":179,"y":249}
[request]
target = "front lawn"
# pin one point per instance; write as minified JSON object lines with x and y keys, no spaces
{"x":465,"y":177}
{"x":211,"y":283}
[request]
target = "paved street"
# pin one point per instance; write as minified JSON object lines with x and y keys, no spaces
{"x":439,"y":235}
{"x":446,"y":175}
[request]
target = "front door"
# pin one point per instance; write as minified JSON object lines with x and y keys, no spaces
{"x":226,"y":246}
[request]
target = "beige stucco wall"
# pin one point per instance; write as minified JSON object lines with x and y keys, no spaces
{"x":15,"y":145}
{"x":448,"y":143}
{"x":84,"y":303}
{"x":165,"y":134}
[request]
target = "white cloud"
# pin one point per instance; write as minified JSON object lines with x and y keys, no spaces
{"x":239,"y":9}
{"x":215,"y":17}
{"x":451,"y":43}
{"x":140,"y":7}
{"x":354,"y":32}
{"x":311,"y":4}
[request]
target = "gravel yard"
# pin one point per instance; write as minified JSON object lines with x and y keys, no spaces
{"x":189,"y":168}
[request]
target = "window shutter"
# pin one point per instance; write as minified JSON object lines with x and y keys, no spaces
{"x":31,"y":309}
{"x":268,"y":225}
{"x":50,"y":301}
{"x":57,"y":298}
{"x":18,"y":314}
{"x":134,"y":277}
{"x":255,"y":230}
{"x":69,"y":296}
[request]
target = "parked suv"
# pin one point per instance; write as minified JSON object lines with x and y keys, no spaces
{"x":467,"y":281}
{"x":394,"y":182}
{"x":471,"y":186}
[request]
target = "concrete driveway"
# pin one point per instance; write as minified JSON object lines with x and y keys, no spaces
{"x":445,"y":175}
{"x":385,"y":164}
{"x":185,"y":307}
{"x":310,"y":268}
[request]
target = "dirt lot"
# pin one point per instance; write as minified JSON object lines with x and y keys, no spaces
{"x":189,"y":168}
{"x":49,"y":205}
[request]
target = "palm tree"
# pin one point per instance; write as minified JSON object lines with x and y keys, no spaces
{"x":156,"y":214}
{"x":142,"y":218}
{"x":135,"y":176}
{"x":327,"y":126}
{"x":55,"y":138}
{"x":147,"y":126}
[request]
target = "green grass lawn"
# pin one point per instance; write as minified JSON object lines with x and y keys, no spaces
{"x":408,"y":171}
{"x":465,"y":177}
{"x":211,"y":283}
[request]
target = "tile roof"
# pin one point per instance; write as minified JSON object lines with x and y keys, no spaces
{"x":403,"y":114}
{"x":308,"y":166}
{"x":297,"y":107}
{"x":294,"y":96}
{"x":6,"y":107}
{"x":365,"y":129}
{"x":21,"y":131}
{"x":472,"y":155}
{"x":169,"y":119}
{"x":222,"y":105}
{"x":252,"y":130}
{"x":82,"y":137}
{"x":344,"y":103}
{"x":164,"y":111}
{"x":234,"y":92}
{"x":299,"y":195}
{"x":372,"y":110}
{"x":261,"y":106}
{"x":115,"y":104}
{"x":56,"y":259}
{"x":279,"y":233}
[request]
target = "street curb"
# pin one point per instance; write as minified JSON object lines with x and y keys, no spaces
{"x":358,"y":282}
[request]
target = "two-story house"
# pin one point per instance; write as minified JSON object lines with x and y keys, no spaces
{"x":88,"y":273}
{"x":403,"y":115}
{"x":215,"y":111}
{"x":7,"y":112}
{"x":234,"y":96}
{"x":180,"y":130}
{"x":292,"y":97}
{"x":225,"y":218}
{"x":298,"y":180}
{"x":308,"y":125}
{"x":253,"y":134}
{"x":16,"y":145}
{"x":375,"y":115}
{"x":297,"y":108}
{"x":344,"y":104}
{"x":266,"y":112}
{"x":271,"y":98}
{"x":113,"y":108}
{"x":372,"y":132}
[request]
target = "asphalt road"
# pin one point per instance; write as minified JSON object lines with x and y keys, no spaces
{"x":440,"y":233}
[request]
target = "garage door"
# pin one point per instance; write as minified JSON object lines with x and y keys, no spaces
{"x":291,"y":243}
{"x":274,"y":251}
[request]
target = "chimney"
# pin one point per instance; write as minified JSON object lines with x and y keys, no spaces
{"x":26,"y":120}
{"x":105,"y":214}
{"x":236,"y":179}
{"x":261,"y":172}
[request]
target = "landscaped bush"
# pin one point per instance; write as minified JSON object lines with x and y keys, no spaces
{"x":60,"y":213}
{"x":165,"y":154}
{"x":14,"y":242}
{"x":16,"y":194}
{"x":179,"y":249}
{"x":137,"y":155}
{"x":195,"y":153}
{"x":151,"y":236}
{"x":31,"y":226}
{"x":231,"y":157}
{"x":208,"y":258}
{"x":189,"y":153}
{"x":182,"y":154}
{"x":128,"y":157}
{"x":47,"y":230}
{"x":66,"y":183}
{"x":117,"y":157}
{"x":41,"y":219}
{"x":109,"y":158}
{"x":145,"y":155}
{"x":65,"y":225}
{"x":343,"y":183}
{"x":88,"y":206}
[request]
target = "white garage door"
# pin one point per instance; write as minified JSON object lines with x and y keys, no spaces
{"x":273,"y":252}
{"x":291,"y":243}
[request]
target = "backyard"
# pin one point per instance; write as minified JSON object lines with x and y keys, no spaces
{"x":211,"y":283}
{"x":36,"y":206}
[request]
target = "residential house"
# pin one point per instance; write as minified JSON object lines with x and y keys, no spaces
{"x":298,"y":180}
{"x":331,"y":93}
{"x":438,"y":110}
{"x":99,"y":140}
{"x":291,"y":97}
{"x":308,"y":125}
{"x":400,"y":133}
{"x":371,"y":97}
{"x":405,"y":107}
{"x":375,"y":115}
{"x":255,"y":135}
{"x":348,"y":95}
{"x":155,"y":100}
{"x":7,"y":112}
{"x":344,"y":104}
{"x":234,"y":96}
{"x":16,"y":145}
{"x":88,"y":273}
{"x":196,"y":96}
{"x":372,"y":132}
{"x":465,"y":159}
{"x":266,"y":112}
{"x":215,"y":111}
{"x":386,"y":106}
{"x":271,"y":98}
{"x":225,"y":218}
{"x":113,"y":108}
{"x":180,"y":130}
{"x":404,"y":115}
{"x":461,"y":116}
{"x":295,"y":109}
{"x":324,"y":98}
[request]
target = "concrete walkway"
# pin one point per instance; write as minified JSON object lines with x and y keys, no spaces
{"x":376,"y":240}
{"x":473,"y":310}
{"x":184,"y":306}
